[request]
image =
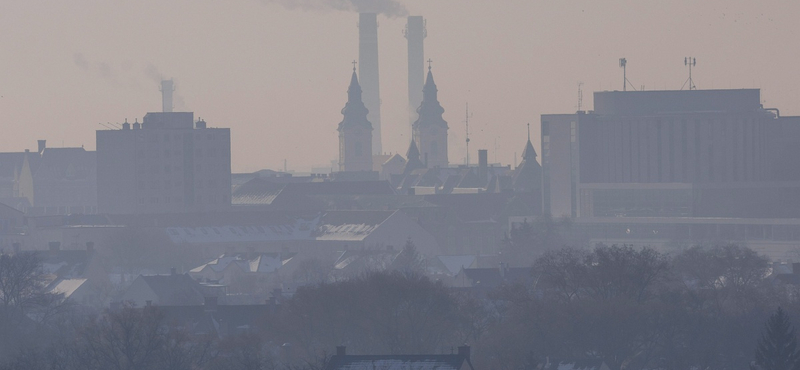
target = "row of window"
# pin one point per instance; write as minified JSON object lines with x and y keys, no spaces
{"x":155,"y":152}
{"x":157,"y":168}
{"x":199,"y":199}
{"x":178,"y":137}
{"x":198,"y":183}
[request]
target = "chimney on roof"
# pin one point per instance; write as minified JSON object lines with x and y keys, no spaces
{"x":483,"y":163}
{"x":42,"y":145}
{"x":137,"y":125}
{"x":173,"y":271}
{"x":341,"y":350}
{"x":464,"y":351}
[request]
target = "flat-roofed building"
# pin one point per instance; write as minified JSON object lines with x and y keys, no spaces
{"x":667,"y":142}
{"x":168,"y":163}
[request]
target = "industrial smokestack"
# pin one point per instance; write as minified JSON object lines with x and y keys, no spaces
{"x":368,"y":74}
{"x":166,"y":95}
{"x":415,"y":33}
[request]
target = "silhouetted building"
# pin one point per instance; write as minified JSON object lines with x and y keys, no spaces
{"x":430,"y":129}
{"x":643,"y":152}
{"x":355,"y":132}
{"x":168,"y":163}
{"x":666,"y":168}
{"x":456,"y":361}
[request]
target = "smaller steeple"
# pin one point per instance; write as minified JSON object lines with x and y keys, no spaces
{"x":529,"y":154}
{"x":412,"y":159}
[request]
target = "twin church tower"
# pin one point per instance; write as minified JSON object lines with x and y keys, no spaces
{"x":429,"y":131}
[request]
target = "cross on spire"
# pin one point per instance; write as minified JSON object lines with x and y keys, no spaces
{"x":529,"y":131}
{"x":429,"y":63}
{"x":354,"y":65}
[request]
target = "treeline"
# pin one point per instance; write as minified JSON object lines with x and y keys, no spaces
{"x":633,"y":308}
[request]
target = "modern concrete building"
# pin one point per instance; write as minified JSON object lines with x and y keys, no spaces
{"x":167,"y":163}
{"x":663,"y":141}
{"x":663,"y":168}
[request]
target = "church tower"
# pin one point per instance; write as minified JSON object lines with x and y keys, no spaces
{"x":528,"y":175}
{"x":430,"y":129}
{"x":355,"y":132}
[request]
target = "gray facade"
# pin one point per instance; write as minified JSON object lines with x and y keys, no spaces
{"x":659,"y":146}
{"x":168,"y":163}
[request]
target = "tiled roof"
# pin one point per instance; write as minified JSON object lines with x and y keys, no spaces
{"x":174,"y":289}
{"x":396,"y":362}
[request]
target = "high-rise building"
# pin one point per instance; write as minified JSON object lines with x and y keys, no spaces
{"x":653,"y":152}
{"x":430,"y":129}
{"x":168,"y":163}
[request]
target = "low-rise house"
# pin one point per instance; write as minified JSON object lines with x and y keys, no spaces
{"x":164,"y":290}
{"x":457,"y":361}
{"x":242,"y":272}
{"x":490,"y":278}
{"x":585,"y":364}
{"x":79,"y":276}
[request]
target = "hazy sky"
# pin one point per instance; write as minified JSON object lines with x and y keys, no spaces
{"x":276,"y":71}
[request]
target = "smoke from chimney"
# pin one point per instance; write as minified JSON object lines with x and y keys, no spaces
{"x":389,"y":8}
{"x":167,"y":88}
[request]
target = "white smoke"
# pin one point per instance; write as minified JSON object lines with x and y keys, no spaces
{"x":389,"y":8}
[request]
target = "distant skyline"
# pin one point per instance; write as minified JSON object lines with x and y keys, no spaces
{"x":277,"y":74}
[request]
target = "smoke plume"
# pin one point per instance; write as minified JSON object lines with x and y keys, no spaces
{"x":389,"y":8}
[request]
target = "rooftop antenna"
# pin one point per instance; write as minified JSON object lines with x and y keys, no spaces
{"x":495,"y":149}
{"x":466,"y":122}
{"x":580,"y":96}
{"x":690,"y":62}
{"x":623,"y":63}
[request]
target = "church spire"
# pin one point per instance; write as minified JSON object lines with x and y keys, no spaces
{"x":354,"y":110}
{"x":430,"y":129}
{"x":355,"y":131}
{"x":413,"y":161}
{"x":529,"y":154}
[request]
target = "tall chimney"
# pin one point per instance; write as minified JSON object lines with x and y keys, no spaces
{"x":42,"y":145}
{"x":368,"y":74}
{"x":166,"y":95}
{"x":415,"y":34}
